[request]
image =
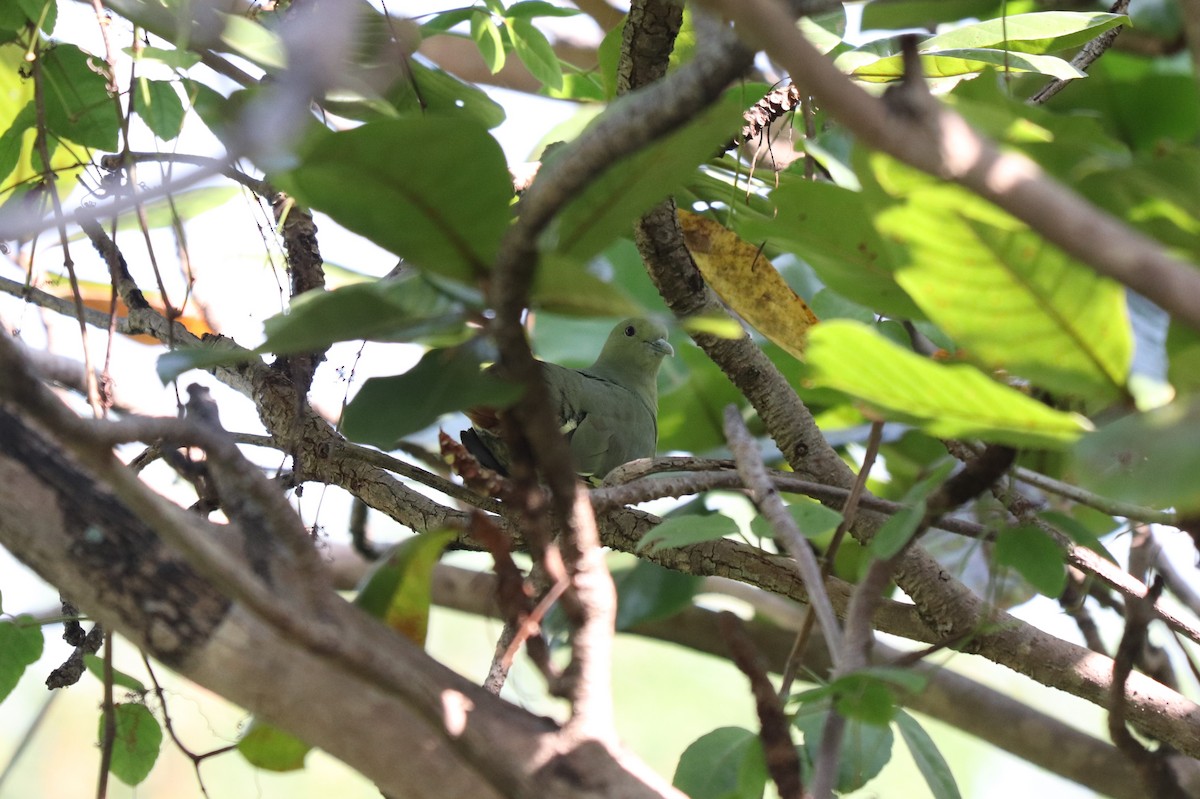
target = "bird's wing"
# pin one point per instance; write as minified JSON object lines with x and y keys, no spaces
{"x":606,"y":424}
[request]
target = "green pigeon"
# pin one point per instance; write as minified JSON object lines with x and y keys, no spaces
{"x":608,"y":411}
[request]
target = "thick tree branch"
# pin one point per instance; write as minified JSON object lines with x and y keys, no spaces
{"x":128,"y":561}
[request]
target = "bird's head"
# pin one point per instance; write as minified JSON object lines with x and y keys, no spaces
{"x":636,"y":345}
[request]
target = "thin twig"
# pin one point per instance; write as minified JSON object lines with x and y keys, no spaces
{"x":766,"y":497}
{"x":849,"y":512}
{"x":109,"y":713}
{"x":1152,"y":766}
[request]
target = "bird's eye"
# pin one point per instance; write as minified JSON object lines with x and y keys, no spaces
{"x":630,"y":330}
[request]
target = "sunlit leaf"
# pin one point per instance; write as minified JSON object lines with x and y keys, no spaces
{"x":535,"y":52}
{"x":489,"y":41}
{"x":268,"y":747}
{"x":398,"y":589}
{"x":95,"y":665}
{"x":955,"y":401}
{"x":539,"y":8}
{"x":1042,"y":32}
{"x":136,"y":744}
{"x":99,"y":297}
{"x":255,"y":43}
{"x":927,"y":13}
{"x":165,"y":212}
{"x":951,"y":63}
{"x":830,"y":228}
{"x":994,"y":286}
{"x":20,"y":647}
{"x":159,"y":107}
{"x":739,"y":272}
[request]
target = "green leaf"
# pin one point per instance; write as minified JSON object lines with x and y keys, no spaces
{"x":814,"y":520}
{"x":20,"y":647}
{"x":929,"y":760}
{"x":680,"y":531}
{"x":825,"y":30}
{"x":12,"y":141}
{"x":1043,"y":32}
{"x":566,"y":286}
{"x":830,"y":228}
{"x":947,"y":401}
{"x":1148,"y":458}
{"x":1079,"y":530}
{"x":137,"y":742}
{"x":897,"y":531}
{"x":78,"y":106}
{"x":166,"y":211}
{"x":95,"y":665}
{"x":726,"y":763}
{"x":535,"y":52}
{"x":609,"y":206}
{"x":410,"y":308}
{"x":1130,"y":93}
{"x":527,"y":9}
{"x":429,"y":90}
{"x":690,"y":403}
{"x":900,"y":528}
{"x":407,"y":308}
{"x":43,"y":13}
{"x":894,"y":14}
{"x":1035,"y":556}
{"x":268,"y":747}
{"x":160,"y":108}
{"x":255,"y":43}
{"x":173,"y":58}
{"x":648,"y":592}
{"x":435,"y":191}
{"x":993,"y":285}
{"x":445,"y":20}
{"x":866,"y":748}
{"x":445,"y":380}
{"x":488,"y":39}
{"x":952,"y":63}
{"x":863,"y":697}
{"x":398,"y":589}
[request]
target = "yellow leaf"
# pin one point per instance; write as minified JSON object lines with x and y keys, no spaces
{"x":98,"y":297}
{"x":744,"y":277}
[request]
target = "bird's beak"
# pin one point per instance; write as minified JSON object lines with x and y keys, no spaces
{"x":663,"y":346}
